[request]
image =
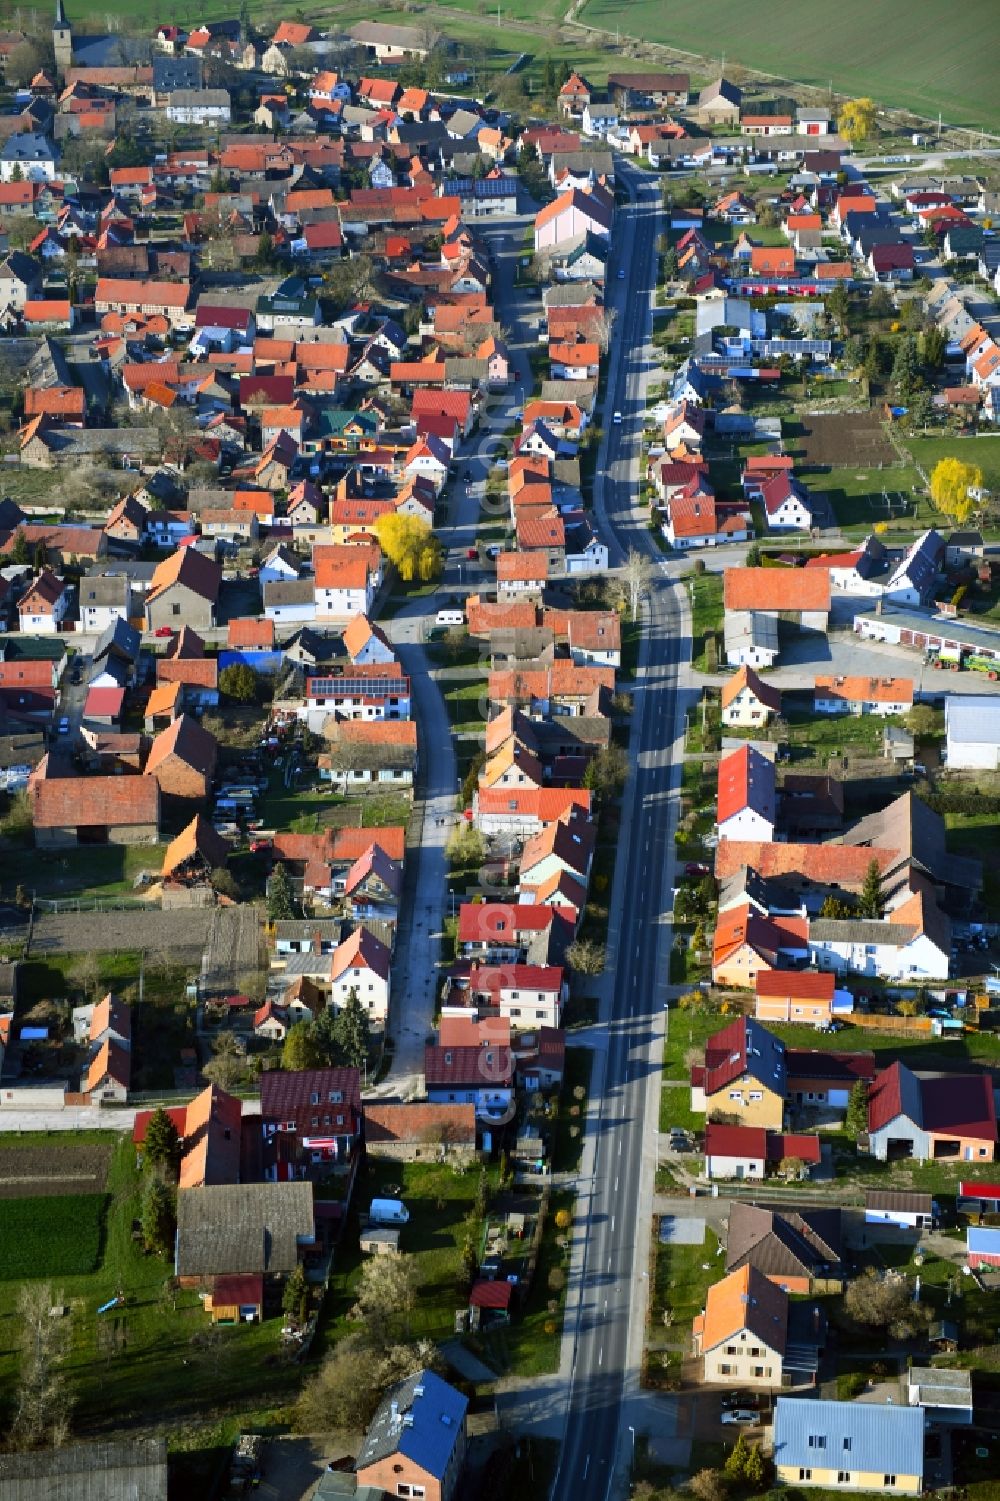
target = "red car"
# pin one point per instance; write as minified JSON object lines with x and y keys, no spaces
{"x":472,"y":552}
{"x":691,"y":869}
{"x":164,"y":630}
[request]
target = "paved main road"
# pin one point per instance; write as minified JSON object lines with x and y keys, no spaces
{"x":611,"y":1289}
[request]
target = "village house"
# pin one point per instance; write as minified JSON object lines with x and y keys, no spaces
{"x":747,"y":700}
{"x":416,"y":1442}
{"x":742,"y":1081}
{"x":851,"y":1446}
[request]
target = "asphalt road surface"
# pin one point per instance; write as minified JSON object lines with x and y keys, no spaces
{"x":612,"y":1293}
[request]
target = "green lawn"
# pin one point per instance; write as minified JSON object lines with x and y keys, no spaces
{"x":983,"y":451}
{"x":466,"y":703}
{"x":856,"y":497}
{"x":681,"y":1282}
{"x":441,"y":1201}
{"x":149,"y":1361}
{"x":914,"y":66}
{"x":675,"y":1110}
{"x":105,"y":873}
{"x":706,"y":619}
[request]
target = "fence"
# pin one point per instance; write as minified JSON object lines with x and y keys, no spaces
{"x":897,"y":1026}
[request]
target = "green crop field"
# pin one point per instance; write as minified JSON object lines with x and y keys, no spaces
{"x":51,"y":1237}
{"x":903,"y":56}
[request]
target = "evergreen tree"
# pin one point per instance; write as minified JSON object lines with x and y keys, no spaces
{"x":280,"y":897}
{"x":20,"y":552}
{"x":161,"y":1147}
{"x":352,"y":1031}
{"x":856,"y":1119}
{"x":906,"y":368}
{"x":302,"y":1048}
{"x":870,"y":900}
{"x":295,"y":1298}
{"x":158,"y":1217}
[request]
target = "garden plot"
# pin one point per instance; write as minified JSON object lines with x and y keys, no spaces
{"x":834,"y":440}
{"x":47,"y":1171}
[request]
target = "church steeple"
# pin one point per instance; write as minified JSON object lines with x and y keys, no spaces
{"x":62,"y":39}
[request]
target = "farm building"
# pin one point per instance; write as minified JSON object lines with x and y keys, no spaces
{"x":122,"y":1468}
{"x":907,"y":1211}
{"x":972,"y":727}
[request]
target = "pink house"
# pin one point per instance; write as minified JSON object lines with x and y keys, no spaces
{"x":569,"y":215}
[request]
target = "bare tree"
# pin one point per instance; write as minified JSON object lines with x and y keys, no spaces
{"x":636,"y":575}
{"x":42,"y":1405}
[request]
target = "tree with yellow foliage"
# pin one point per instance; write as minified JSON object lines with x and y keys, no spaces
{"x":410,"y":546}
{"x":951,"y":482}
{"x":856,"y":121}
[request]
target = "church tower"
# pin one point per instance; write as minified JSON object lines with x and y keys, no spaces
{"x":62,"y":40}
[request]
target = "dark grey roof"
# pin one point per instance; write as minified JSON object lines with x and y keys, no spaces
{"x":104,"y":589}
{"x":123,"y":1470}
{"x":115,"y":51}
{"x":289,"y":592}
{"x":781,"y":1241}
{"x":877,"y":1198}
{"x":171,"y":73}
{"x":860,"y":930}
{"x":118,"y":639}
{"x":243,"y":1227}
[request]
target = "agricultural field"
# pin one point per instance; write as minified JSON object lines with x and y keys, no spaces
{"x":156,"y":1354}
{"x":35,"y":1172}
{"x":918,"y":66}
{"x":55,"y":1236}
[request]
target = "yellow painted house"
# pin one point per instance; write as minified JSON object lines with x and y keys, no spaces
{"x":742,"y":1080}
{"x":849,"y":1446}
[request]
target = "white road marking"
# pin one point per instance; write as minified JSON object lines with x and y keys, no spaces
{"x":600,"y":1356}
{"x":616,"y":1183}
{"x":586,"y":1466}
{"x":612,"y":1224}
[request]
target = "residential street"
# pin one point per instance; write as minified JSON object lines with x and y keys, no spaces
{"x":607,"y":1314}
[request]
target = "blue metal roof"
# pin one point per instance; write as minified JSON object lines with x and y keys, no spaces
{"x":978,"y":1238}
{"x":421,"y":1418}
{"x":853,"y":1436}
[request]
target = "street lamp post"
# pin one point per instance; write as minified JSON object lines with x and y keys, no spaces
{"x":631,"y":1476}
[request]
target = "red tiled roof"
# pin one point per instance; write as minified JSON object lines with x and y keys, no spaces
{"x":779,"y":589}
{"x":467,"y":1066}
{"x":796,"y":984}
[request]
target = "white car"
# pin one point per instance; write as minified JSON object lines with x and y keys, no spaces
{"x":64,"y":726}
{"x":740,"y":1415}
{"x":500,"y":463}
{"x":617,"y":418}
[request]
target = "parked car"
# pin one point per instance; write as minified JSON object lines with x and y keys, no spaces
{"x":63,"y":726}
{"x":740,"y":1415}
{"x":164,"y":630}
{"x":695,"y":868}
{"x":740,"y":1399}
{"x":621,"y":274}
